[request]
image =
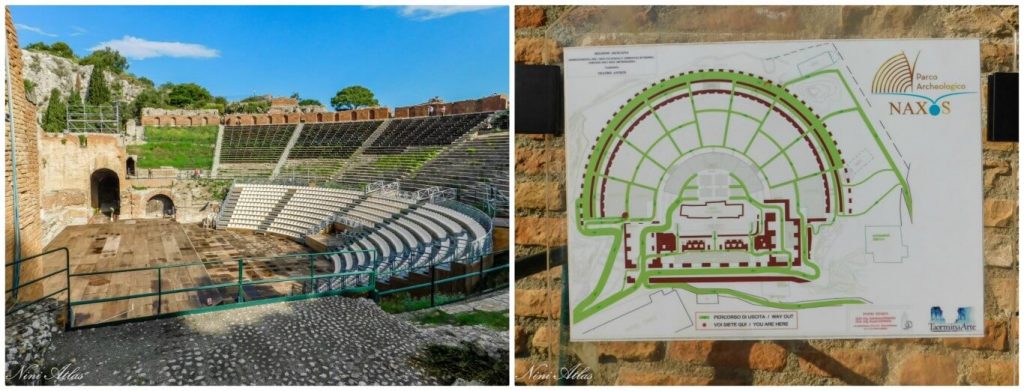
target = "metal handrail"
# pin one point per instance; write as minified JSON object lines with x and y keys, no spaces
{"x":66,"y":288}
{"x":240,"y":283}
{"x":481,"y":273}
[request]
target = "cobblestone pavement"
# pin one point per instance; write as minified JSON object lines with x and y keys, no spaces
{"x":325,"y":341}
{"x":494,"y":301}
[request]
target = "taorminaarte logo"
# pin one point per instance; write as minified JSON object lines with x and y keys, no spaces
{"x":963,"y":321}
{"x":900,"y":77}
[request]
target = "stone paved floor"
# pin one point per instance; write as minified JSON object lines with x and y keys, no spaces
{"x":494,"y":301}
{"x":327,"y":341}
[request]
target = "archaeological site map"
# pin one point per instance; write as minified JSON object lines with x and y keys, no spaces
{"x":774,"y":190}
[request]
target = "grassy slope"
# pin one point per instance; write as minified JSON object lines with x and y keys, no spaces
{"x":187,"y":147}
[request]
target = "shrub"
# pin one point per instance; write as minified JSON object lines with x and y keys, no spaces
{"x":106,"y":58}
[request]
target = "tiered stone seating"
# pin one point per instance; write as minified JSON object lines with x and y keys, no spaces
{"x":424,"y":131}
{"x":396,"y":233}
{"x":254,"y":143}
{"x":321,"y":148}
{"x":253,"y":205}
{"x":469,"y":166}
{"x":387,"y":167}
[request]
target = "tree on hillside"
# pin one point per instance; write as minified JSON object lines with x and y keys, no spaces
{"x":55,"y":117}
{"x":188,"y":95}
{"x":107,"y":58}
{"x":310,"y":102}
{"x":98,"y":92}
{"x":353,"y":97}
{"x":75,"y":98}
{"x":147,"y":98}
{"x":59,"y":49}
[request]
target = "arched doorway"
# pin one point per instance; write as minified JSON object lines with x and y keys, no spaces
{"x":106,"y":191}
{"x":160,"y":206}
{"x":129,"y":166}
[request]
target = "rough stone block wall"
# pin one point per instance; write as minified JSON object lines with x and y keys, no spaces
{"x":490,"y":103}
{"x":361,"y":114}
{"x":541,"y":32}
{"x":66,"y":167}
{"x":26,"y":138}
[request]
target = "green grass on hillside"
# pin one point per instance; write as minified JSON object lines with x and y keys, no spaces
{"x":184,"y":147}
{"x":403,"y":302}
{"x":497,"y":320}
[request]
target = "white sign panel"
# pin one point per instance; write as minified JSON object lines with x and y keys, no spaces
{"x":792,"y":189}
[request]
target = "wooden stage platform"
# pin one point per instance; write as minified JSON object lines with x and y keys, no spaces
{"x":130,"y":244}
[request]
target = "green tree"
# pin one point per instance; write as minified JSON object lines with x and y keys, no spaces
{"x":55,"y":117}
{"x":187,"y":95}
{"x":147,"y":98}
{"x":310,"y":102}
{"x":98,"y":92}
{"x":59,"y":49}
{"x":353,"y":97}
{"x":75,"y":98}
{"x":107,"y":58}
{"x":146,"y":82}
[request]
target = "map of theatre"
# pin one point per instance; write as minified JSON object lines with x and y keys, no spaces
{"x":774,"y":190}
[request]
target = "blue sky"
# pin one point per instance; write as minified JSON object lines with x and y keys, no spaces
{"x":406,"y":55}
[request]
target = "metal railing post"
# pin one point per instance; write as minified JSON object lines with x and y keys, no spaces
{"x":374,"y":295}
{"x":312,"y":276}
{"x":159,"y":289}
{"x":67,"y":283}
{"x":480,"y":283}
{"x":432,"y":287}
{"x":241,"y":266}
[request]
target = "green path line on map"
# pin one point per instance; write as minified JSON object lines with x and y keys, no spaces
{"x":871,"y":128}
{"x":868,"y":178}
{"x":663,"y":127}
{"x":758,"y":300}
{"x":728,"y":116}
{"x":693,"y":104}
{"x":835,"y":113}
{"x":760,"y":125}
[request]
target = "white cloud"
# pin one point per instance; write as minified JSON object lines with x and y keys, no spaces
{"x":138,"y":48}
{"x":36,"y":30}
{"x":78,"y":31}
{"x":428,"y":12}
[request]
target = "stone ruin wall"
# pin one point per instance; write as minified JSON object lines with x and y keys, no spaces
{"x":27,"y":158}
{"x":541,"y":32}
{"x":155,"y":117}
{"x":67,"y":162}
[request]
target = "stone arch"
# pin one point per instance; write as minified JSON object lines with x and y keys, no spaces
{"x":129,"y":166}
{"x":105,"y":188}
{"x":160,"y":205}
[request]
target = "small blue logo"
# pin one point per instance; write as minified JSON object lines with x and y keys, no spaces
{"x":964,"y":321}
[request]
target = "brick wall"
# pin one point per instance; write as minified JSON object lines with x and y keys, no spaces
{"x":540,"y":211}
{"x":490,"y":103}
{"x":26,"y":139}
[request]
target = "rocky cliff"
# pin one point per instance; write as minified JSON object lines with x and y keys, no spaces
{"x":46,"y":72}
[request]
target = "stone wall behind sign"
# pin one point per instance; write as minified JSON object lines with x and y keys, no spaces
{"x":541,"y":32}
